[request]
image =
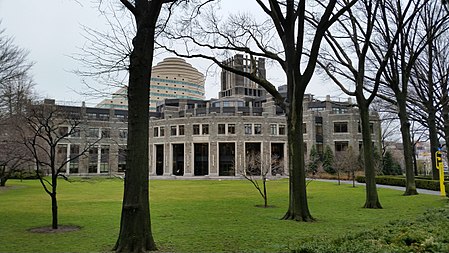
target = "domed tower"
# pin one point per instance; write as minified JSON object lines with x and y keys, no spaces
{"x":175,"y":78}
{"x":170,"y":79}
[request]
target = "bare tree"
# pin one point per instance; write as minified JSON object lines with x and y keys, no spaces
{"x":255,"y":168}
{"x":415,"y":37}
{"x":16,"y":87}
{"x":42,"y":130}
{"x":346,"y":63}
{"x":282,"y":37}
{"x":346,"y":161}
{"x":426,"y":100}
{"x":13,"y":60}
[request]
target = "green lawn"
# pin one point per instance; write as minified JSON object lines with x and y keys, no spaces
{"x":193,"y":216}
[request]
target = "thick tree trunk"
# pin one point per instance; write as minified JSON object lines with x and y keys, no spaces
{"x":298,"y":207}
{"x":410,"y":186}
{"x":434,"y":143}
{"x":372,"y":199}
{"x":3,"y":181}
{"x":135,"y":226}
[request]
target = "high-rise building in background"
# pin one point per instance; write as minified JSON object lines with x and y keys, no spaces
{"x":233,"y":85}
{"x":170,"y":79}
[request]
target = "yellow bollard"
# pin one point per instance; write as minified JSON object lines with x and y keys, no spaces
{"x":440,"y":167}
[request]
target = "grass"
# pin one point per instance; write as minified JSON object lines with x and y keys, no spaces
{"x":194,"y":216}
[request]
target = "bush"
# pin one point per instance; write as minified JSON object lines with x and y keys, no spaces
{"x":425,"y":234}
{"x":433,"y":185}
{"x":24,"y":174}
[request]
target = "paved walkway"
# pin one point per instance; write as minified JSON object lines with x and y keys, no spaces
{"x":399,"y":188}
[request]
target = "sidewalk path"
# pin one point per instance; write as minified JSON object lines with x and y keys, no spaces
{"x":398,"y":188}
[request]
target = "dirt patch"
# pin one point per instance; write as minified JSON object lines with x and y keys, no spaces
{"x":50,"y":230}
{"x":6,"y":188}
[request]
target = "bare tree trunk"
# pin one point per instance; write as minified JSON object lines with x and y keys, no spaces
{"x":434,"y":143}
{"x":372,"y":199}
{"x":3,"y":181}
{"x":410,"y":186}
{"x":135,"y":226}
{"x":265,"y":197}
{"x":54,"y":211}
{"x":298,"y":208}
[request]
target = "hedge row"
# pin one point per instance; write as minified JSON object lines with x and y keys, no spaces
{"x":433,"y":185}
{"x":426,"y":233}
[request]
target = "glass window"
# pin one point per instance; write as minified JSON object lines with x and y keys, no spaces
{"x":93,"y":160}
{"x":341,"y":146}
{"x":304,"y":128}
{"x":340,"y":127}
{"x":121,"y":159}
{"x":155,"y":131}
{"x":106,"y":133}
{"x":161,"y":131}
{"x":104,"y":159}
{"x":273,"y":129}
{"x":221,"y":129}
{"x":123,"y":133}
{"x":248,"y":129}
{"x":231,"y":128}
{"x":63,"y":131}
{"x":75,"y":133}
{"x":93,"y":132}
{"x":196,"y":129}
{"x":281,"y":129}
{"x":257,"y":129}
{"x":181,"y":129}
{"x":173,"y":130}
{"x":205,"y":128}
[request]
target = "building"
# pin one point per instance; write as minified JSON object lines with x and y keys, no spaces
{"x":212,"y":137}
{"x":233,"y":85}
{"x":218,"y":137}
{"x":171,"y":78}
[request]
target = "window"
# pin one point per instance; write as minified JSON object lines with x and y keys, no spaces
{"x":123,"y":133}
{"x":63,"y":131}
{"x":104,"y":159}
{"x":181,"y":129}
{"x":273,"y":129}
{"x":74,"y":158}
{"x":281,"y":129}
{"x":371,"y":127}
{"x":103,"y":117}
{"x":121,"y":159}
{"x":106,"y":133}
{"x":248,"y":129}
{"x":75,"y":133}
{"x":93,"y":160}
{"x":93,"y":132}
{"x":231,"y":128}
{"x":221,"y":129}
{"x":257,"y":129}
{"x":155,"y":131}
{"x":196,"y":129}
{"x":161,"y":131}
{"x":304,"y":128}
{"x":340,"y":127}
{"x":341,"y":146}
{"x":205,"y":128}
{"x":173,"y":130}
{"x":337,"y":110}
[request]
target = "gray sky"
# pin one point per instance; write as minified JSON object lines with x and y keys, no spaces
{"x":51,"y":31}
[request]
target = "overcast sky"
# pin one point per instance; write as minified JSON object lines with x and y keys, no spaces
{"x":51,"y":31}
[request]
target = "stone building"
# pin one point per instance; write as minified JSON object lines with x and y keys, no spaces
{"x":190,"y":136}
{"x":212,"y":137}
